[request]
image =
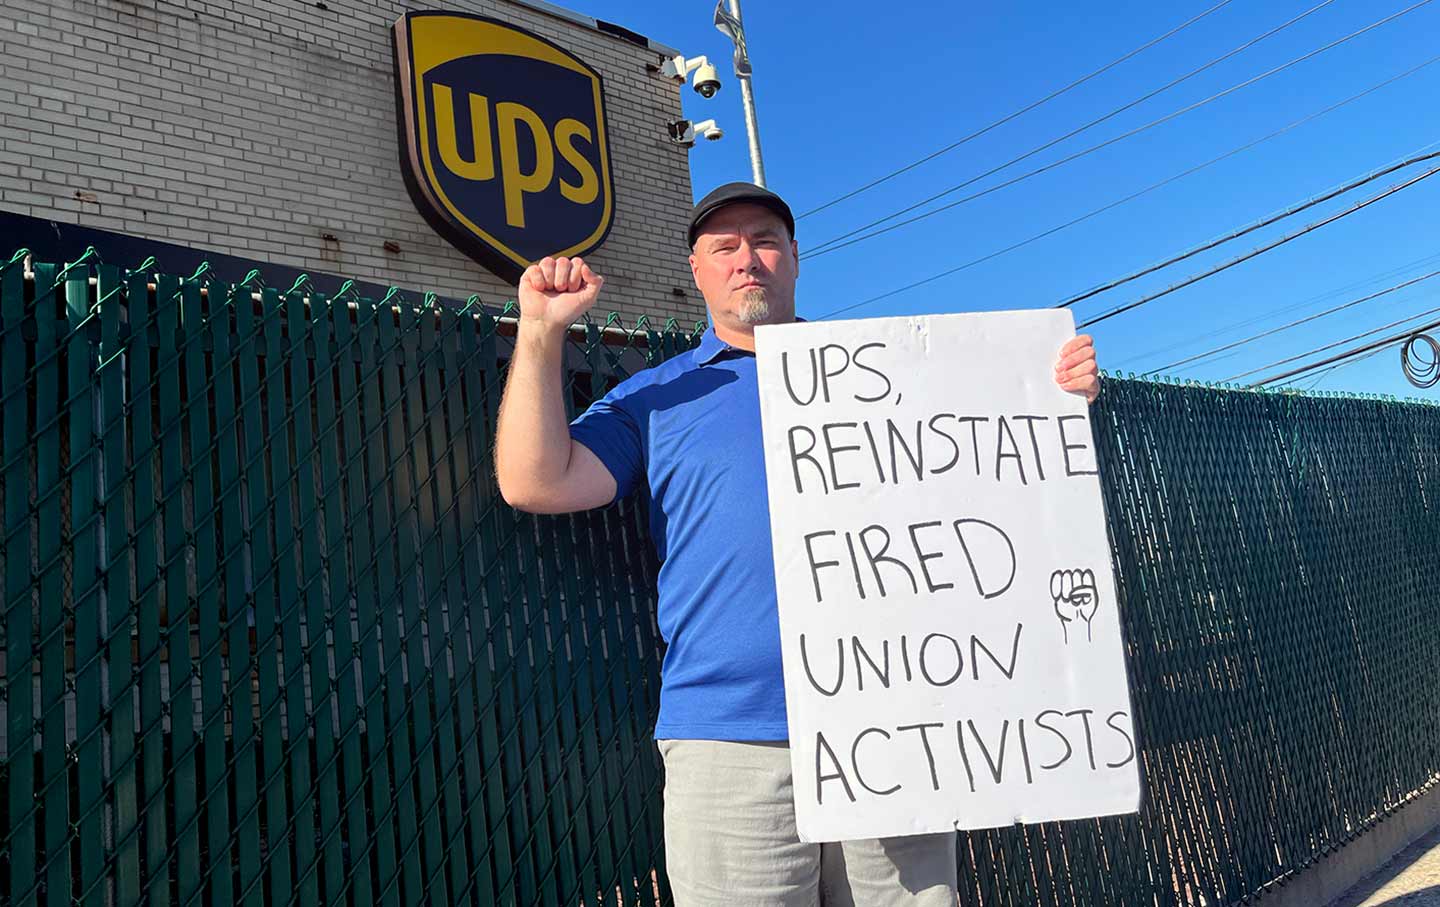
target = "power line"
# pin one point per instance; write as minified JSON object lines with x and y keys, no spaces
{"x":1050,"y":144}
{"x":1296,"y":323}
{"x":844,"y":240}
{"x":1330,"y":346}
{"x":1332,"y":369}
{"x":1321,"y":297}
{"x":1358,"y":206}
{"x":1022,"y":111}
{"x":1260,"y":224}
{"x":1134,"y":195}
{"x":1348,"y":354}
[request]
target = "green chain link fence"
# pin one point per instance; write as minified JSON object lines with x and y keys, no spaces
{"x":271,"y":637}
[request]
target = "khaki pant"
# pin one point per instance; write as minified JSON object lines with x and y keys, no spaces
{"x":730,"y":840}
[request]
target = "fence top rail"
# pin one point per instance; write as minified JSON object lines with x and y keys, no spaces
{"x":612,"y":331}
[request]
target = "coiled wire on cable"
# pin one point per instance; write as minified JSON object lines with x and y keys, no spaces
{"x":1420,"y":370}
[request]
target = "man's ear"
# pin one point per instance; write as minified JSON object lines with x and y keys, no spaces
{"x":795,"y":250}
{"x":694,"y":277}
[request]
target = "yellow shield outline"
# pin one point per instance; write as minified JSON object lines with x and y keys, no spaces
{"x":411,"y":65}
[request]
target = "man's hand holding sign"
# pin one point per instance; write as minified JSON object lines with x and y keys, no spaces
{"x":1076,"y":371}
{"x":889,"y":608}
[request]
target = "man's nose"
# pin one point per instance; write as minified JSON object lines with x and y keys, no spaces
{"x":745,"y":258}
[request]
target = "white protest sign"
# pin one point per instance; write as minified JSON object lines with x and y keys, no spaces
{"x":952,"y":650}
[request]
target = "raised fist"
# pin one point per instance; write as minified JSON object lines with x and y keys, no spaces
{"x":557,"y":291}
{"x":1076,"y":598}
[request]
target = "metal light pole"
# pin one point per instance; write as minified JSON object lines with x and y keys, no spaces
{"x":729,"y":22}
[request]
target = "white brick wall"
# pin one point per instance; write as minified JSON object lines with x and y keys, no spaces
{"x":252,"y":127}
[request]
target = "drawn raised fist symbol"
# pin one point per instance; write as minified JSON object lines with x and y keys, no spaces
{"x":1076,"y":598}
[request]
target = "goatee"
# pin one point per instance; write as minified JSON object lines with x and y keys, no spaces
{"x":754,"y":309}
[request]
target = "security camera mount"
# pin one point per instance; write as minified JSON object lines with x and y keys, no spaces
{"x":684,"y":132}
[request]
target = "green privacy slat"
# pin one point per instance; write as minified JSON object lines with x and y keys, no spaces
{"x":636,"y":762}
{"x":501,"y":755}
{"x":144,"y":392}
{"x":507,"y":604}
{"x":608,"y":637}
{"x":84,"y":541}
{"x":601,"y":610}
{"x":460,"y":360}
{"x":118,"y":354}
{"x":370,"y":525}
{"x":398,"y":619}
{"x":21,"y":645}
{"x":411,"y":490}
{"x":435,"y":496}
{"x":305,"y":392}
{"x":336,"y":612}
{"x":262,"y":382}
{"x":543,"y":712}
{"x":347,"y":825}
{"x":176,"y":337}
{"x":488,"y":835}
{"x":447,"y":702}
{"x":289,"y":417}
{"x":624,"y":750}
{"x":232,"y":346}
{"x":570,"y":662}
{"x":525,"y":603}
{"x":349,"y":554}
{"x":200,"y":334}
{"x":53,"y":789}
{"x":464,"y":358}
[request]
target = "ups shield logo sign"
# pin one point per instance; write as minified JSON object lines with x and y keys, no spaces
{"x":505,"y":148}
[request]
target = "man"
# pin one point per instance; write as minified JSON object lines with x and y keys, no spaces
{"x":689,"y":429}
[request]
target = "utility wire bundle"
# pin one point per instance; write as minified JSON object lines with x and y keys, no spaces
{"x":1416,"y":367}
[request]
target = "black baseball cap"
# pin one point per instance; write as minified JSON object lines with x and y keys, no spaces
{"x":732,"y":193}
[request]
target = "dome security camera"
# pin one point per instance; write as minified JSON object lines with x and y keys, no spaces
{"x":706,"y":80}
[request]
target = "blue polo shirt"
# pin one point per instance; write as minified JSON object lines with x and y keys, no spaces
{"x":690,"y":429}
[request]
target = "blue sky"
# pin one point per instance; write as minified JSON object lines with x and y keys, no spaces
{"x":848,"y":92}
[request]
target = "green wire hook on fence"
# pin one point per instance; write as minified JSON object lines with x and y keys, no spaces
{"x":88,"y":254}
{"x":19,"y":255}
{"x":302,"y":280}
{"x":641,"y":324}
